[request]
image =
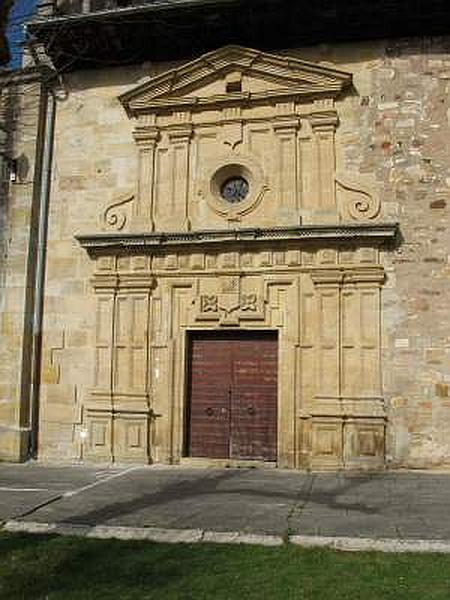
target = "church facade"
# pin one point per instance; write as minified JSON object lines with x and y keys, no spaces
{"x":247,"y":263}
{"x":239,"y":224}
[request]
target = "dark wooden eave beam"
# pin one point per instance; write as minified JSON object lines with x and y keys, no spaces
{"x":179,"y":29}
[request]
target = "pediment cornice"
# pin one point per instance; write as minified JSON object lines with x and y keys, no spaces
{"x":284,"y":77}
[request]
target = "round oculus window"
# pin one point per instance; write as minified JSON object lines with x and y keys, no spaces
{"x":234,"y":189}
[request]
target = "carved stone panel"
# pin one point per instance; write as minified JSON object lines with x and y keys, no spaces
{"x":98,"y":446}
{"x":131,"y":437}
{"x":230,"y":308}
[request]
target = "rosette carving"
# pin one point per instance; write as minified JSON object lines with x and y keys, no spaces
{"x":249,"y":302}
{"x":209,"y":304}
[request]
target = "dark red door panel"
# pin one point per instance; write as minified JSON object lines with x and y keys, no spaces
{"x":233,"y":395}
{"x":254,"y":399}
{"x":209,"y":406}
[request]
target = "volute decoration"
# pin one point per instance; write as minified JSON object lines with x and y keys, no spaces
{"x":116,"y":215}
{"x":357,"y":203}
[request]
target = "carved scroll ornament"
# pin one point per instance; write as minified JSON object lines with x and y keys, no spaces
{"x":355,"y":201}
{"x":116,"y":215}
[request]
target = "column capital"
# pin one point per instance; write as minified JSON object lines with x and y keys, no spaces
{"x":324,"y":121}
{"x":327,"y":277}
{"x":286,"y":125}
{"x":365,"y":275}
{"x":105,"y":282}
{"x":146,"y":135}
{"x":180,"y":132}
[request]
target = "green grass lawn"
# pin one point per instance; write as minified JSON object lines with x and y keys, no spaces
{"x":50,"y":567}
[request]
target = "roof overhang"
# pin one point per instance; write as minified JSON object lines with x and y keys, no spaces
{"x":178,"y":29}
{"x":5,"y":7}
{"x":4,"y":50}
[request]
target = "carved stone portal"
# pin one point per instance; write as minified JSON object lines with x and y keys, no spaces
{"x":281,"y":251}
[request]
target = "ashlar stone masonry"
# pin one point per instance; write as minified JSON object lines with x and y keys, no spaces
{"x":335,"y":240}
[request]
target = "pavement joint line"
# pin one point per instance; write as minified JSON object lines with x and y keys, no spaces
{"x":38,"y":506}
{"x":15,"y":489}
{"x":89,"y":486}
{"x":192,"y":536}
{"x":300,"y":505}
{"x":72,"y":493}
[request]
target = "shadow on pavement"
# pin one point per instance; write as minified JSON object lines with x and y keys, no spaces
{"x":213,"y":486}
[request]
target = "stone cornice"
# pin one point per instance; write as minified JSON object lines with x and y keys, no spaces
{"x":246,"y":98}
{"x":338,"y":276}
{"x":375,"y":233}
{"x":289,"y":77}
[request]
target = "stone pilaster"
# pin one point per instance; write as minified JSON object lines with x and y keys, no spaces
{"x":146,"y":138}
{"x":324,"y":121}
{"x":285,"y":129}
{"x":180,"y":140}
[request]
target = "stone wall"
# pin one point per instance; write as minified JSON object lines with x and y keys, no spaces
{"x":393,"y":135}
{"x":407,"y":147}
{"x":19,"y":108}
{"x":397,"y":130}
{"x":94,"y":162}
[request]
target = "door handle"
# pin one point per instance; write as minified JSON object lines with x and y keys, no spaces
{"x":251,"y":409}
{"x":209,"y":411}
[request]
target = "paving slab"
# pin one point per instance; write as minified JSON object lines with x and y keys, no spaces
{"x":230,"y":502}
{"x":225,"y":500}
{"x":26,"y":486}
{"x":54,"y":477}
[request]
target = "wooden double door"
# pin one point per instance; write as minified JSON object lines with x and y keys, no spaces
{"x":232,"y":404}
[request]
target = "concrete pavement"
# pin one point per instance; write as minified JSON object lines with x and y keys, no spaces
{"x":396,"y":506}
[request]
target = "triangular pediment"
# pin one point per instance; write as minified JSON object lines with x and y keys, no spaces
{"x":233,"y":72}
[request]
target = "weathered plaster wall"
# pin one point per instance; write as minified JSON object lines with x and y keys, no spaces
{"x":394,"y":134}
